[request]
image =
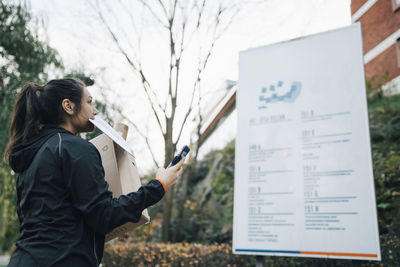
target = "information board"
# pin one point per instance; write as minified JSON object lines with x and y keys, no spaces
{"x":303,"y":174}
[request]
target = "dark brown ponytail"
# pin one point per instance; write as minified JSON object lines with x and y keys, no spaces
{"x":26,"y":119}
{"x":38,"y":105}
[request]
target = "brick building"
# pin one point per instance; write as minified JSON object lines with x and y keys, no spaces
{"x":380,"y":23}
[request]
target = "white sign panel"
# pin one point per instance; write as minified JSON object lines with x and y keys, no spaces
{"x":303,"y":179}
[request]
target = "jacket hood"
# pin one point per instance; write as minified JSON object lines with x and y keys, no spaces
{"x":22,"y":155}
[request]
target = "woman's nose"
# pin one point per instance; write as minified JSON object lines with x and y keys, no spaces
{"x":95,"y":111}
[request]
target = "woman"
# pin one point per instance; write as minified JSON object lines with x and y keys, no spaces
{"x":63,"y":203}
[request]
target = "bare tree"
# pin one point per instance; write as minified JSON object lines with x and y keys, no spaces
{"x":184,"y":23}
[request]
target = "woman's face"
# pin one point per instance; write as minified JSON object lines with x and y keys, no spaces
{"x":81,"y":120}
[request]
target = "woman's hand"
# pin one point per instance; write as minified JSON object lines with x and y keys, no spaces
{"x":169,"y":176}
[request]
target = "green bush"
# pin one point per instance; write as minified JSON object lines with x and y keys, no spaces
{"x":384,"y":119}
{"x":186,"y":254}
{"x":177,"y":254}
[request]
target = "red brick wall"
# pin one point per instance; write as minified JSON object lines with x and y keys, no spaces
{"x":356,"y":4}
{"x":378,"y":23}
{"x":386,"y":61}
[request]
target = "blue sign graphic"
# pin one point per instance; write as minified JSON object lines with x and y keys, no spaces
{"x":279,"y":93}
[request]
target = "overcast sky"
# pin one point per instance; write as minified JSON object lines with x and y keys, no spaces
{"x":82,"y":42}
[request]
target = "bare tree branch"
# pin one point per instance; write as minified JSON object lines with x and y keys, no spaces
{"x":204,"y":65}
{"x":146,"y":85}
{"x":164,"y":9}
{"x":178,"y":57}
{"x":145,"y":137}
{"x":197,"y":82}
{"x":144,"y":2}
{"x":224,"y":29}
{"x":201,"y":10}
{"x":129,"y":14}
{"x":173,"y":11}
{"x":173,"y":62}
{"x":126,"y":9}
{"x":184,"y":21}
{"x":178,"y":68}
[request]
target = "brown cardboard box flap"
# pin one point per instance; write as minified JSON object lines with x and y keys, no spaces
{"x":120,"y":170}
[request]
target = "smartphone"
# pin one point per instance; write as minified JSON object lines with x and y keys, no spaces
{"x":185,"y":150}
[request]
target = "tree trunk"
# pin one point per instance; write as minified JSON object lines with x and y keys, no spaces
{"x":180,"y":205}
{"x":185,"y":182}
{"x":168,"y":199}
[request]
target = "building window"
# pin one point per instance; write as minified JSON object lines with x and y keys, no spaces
{"x":396,"y":5}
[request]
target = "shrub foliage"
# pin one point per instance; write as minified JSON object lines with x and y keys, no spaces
{"x":177,"y":254}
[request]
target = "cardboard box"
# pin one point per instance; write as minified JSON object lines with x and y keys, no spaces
{"x":120,"y":169}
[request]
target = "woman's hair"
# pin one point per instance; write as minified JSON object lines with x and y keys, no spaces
{"x":38,"y":105}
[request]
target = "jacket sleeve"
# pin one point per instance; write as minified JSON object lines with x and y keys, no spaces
{"x":84,"y":174}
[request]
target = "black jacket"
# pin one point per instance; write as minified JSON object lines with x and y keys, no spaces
{"x":64,"y":206}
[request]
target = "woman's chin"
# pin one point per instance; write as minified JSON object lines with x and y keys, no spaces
{"x":88,"y":128}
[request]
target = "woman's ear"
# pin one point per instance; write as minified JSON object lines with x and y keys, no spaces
{"x":68,"y":106}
